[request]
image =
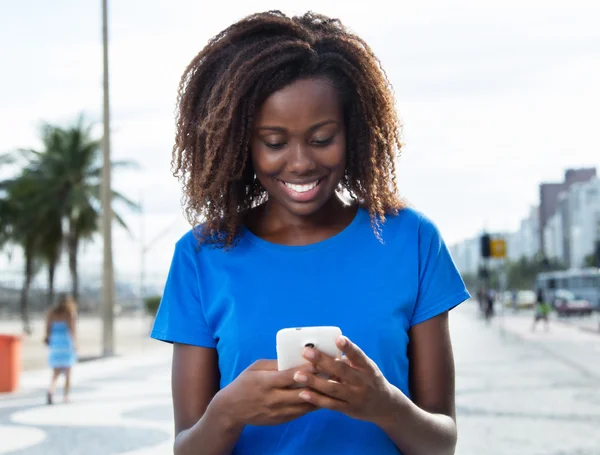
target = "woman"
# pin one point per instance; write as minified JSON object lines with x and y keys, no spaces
{"x":286,"y":145}
{"x":61,"y":341}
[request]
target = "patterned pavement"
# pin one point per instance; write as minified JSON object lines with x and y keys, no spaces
{"x":518,"y":392}
{"x":119,"y":406}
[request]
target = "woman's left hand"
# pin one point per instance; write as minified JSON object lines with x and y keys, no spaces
{"x":359,"y":389}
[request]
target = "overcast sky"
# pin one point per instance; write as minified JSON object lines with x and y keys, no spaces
{"x":494,"y":99}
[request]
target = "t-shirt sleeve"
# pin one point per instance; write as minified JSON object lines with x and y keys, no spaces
{"x":441,"y":287}
{"x":180,"y":317}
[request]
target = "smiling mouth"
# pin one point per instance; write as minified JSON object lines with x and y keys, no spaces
{"x":303,"y":192}
{"x":301,"y":188}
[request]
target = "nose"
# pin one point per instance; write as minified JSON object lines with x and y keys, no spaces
{"x":300,"y":159}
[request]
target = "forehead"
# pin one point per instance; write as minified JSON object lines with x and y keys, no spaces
{"x":301,"y":104}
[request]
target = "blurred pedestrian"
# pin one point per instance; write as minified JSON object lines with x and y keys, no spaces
{"x":482,"y":299}
{"x":61,"y":341}
{"x":286,"y":144}
{"x":514,"y":300}
{"x":542,"y":311}
{"x":490,"y":297}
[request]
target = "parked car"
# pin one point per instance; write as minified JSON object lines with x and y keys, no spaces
{"x":522,"y":299}
{"x":566,"y":303}
{"x":526,"y":299}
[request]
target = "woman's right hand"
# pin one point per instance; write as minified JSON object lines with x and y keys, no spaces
{"x":261,"y":395}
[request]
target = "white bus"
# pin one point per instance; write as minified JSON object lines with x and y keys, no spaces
{"x":584,"y":283}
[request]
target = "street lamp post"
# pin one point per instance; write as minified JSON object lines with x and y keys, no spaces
{"x":108,"y":283}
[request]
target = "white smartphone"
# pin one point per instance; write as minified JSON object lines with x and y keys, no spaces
{"x":291,"y":342}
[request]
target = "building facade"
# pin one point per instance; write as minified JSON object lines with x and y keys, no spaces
{"x":553,"y":238}
{"x":466,"y":256}
{"x":570,"y":233}
{"x":584,"y":211}
{"x":550,"y":197}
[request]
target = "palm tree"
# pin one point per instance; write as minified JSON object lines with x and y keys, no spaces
{"x":50,"y":250}
{"x":24,"y":226}
{"x":58,"y":186}
{"x":71,"y":166}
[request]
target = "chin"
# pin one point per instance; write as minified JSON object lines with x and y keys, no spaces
{"x":302,"y":208}
{"x":306,"y":209}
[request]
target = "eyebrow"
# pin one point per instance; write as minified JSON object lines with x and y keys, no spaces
{"x":283,"y":130}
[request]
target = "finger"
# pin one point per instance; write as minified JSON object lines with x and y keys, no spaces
{"x":347,"y":362}
{"x":331,"y":366}
{"x":353,"y":353}
{"x":328,"y":387}
{"x":323,"y":401}
{"x":285,"y":378}
{"x":263,"y":364}
{"x":288,"y":397}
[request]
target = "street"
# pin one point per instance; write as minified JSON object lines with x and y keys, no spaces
{"x":518,"y":392}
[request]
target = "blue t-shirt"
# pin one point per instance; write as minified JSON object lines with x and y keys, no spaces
{"x":235,"y":301}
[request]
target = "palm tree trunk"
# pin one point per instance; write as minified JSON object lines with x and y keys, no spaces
{"x":73,"y":246}
{"x":24,"y":304}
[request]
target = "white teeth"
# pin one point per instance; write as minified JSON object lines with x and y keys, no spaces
{"x":301,"y":188}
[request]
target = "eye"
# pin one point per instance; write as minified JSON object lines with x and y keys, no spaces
{"x":322,"y":143}
{"x":275,"y":146}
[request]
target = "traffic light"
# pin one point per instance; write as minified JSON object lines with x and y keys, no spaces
{"x":486,"y":250}
{"x":597,"y":253}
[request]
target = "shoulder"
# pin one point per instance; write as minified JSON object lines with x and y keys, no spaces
{"x":190,"y":239}
{"x":409,"y":222}
{"x":191,"y":249}
{"x":189,"y":243}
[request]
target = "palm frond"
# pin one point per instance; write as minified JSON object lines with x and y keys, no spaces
{"x":7,"y":158}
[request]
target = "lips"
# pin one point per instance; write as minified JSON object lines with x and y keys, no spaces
{"x":302,"y":192}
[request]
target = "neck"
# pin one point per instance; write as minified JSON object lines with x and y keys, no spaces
{"x":277,"y":217}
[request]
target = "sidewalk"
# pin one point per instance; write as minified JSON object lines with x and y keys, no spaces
{"x":524,"y":393}
{"x":131,"y":337}
{"x":589,"y":324}
{"x":563,"y":341}
{"x":119,"y":405}
{"x":516,"y":392}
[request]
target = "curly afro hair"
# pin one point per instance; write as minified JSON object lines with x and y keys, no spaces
{"x":222,"y":89}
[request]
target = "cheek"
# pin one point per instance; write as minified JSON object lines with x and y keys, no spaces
{"x":265,"y":162}
{"x":336,"y":157}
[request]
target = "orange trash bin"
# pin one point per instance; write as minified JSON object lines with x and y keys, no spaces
{"x":10,"y":362}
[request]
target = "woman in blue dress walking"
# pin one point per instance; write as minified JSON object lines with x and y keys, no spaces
{"x":61,"y":340}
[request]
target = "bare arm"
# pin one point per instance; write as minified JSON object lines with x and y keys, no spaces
{"x":426,"y":425}
{"x":72,"y":328}
{"x":200,"y":426}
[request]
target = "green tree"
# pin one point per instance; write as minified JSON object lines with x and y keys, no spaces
{"x":590,"y":261}
{"x":522,"y":273}
{"x":55,"y":202}
{"x":25,"y":227}
{"x":70,"y":164}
